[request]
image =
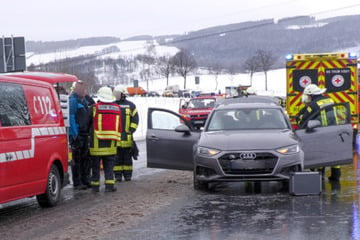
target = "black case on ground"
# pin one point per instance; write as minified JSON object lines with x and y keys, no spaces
{"x":305,"y":183}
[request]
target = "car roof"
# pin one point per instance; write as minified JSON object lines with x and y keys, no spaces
{"x":49,"y":77}
{"x":204,"y":97}
{"x":249,"y":99}
{"x":242,"y":105}
{"x":19,"y":80}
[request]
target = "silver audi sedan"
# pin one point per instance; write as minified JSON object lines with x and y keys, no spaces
{"x":247,"y":142}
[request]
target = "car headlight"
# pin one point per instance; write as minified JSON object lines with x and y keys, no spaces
{"x":289,"y":149}
{"x":207,"y":151}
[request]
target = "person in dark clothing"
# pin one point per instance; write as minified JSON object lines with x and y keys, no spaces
{"x":129,"y":123}
{"x":79,"y":136}
{"x":314,"y":100}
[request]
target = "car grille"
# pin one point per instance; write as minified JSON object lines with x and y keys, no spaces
{"x":199,"y":116}
{"x":264,"y":163}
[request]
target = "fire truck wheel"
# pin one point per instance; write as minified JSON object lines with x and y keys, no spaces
{"x":53,"y":188}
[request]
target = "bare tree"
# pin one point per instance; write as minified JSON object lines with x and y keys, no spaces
{"x":251,"y":66}
{"x":147,"y":61}
{"x":266,"y":60}
{"x":184,"y":63}
{"x":215,"y":70}
{"x":232,"y":70}
{"x":165,"y":67}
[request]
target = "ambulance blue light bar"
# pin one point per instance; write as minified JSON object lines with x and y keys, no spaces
{"x":289,"y":57}
{"x":352,"y":55}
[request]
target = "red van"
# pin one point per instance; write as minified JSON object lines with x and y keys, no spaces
{"x":33,"y":141}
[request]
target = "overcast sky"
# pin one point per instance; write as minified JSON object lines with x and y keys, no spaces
{"x":48,"y":20}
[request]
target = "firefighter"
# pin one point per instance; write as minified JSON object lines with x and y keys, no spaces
{"x":104,"y":134}
{"x":314,"y":100}
{"x":126,"y":148}
{"x":79,"y":136}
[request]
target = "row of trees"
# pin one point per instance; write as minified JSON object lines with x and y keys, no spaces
{"x":262,"y":61}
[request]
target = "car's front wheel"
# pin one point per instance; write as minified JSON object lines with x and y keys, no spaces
{"x":199,"y":185}
{"x":53,"y":189}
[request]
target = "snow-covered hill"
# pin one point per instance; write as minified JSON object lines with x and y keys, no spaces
{"x":122,"y":49}
{"x":276,"y":78}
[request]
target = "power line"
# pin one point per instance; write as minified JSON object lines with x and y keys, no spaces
{"x":335,"y":10}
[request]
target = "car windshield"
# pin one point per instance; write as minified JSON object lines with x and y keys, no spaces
{"x":202,"y":103}
{"x":247,"y":118}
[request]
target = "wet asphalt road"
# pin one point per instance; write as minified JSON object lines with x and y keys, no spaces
{"x":236,"y":211}
{"x":250,"y":211}
{"x":230,"y":211}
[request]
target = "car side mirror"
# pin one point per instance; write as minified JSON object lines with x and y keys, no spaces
{"x":183,"y":129}
{"x":311,"y":124}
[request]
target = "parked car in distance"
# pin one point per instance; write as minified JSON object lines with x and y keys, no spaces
{"x":132,"y":91}
{"x":184,"y":93}
{"x":168,"y":93}
{"x":247,"y":142}
{"x":153,"y":94}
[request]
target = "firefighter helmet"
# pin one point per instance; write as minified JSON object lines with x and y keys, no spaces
{"x":313,"y":89}
{"x":105,"y":95}
{"x":120,"y":90}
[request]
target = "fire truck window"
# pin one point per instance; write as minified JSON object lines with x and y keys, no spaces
{"x":13,"y":107}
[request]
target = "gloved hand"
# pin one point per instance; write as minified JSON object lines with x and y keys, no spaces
{"x":132,"y":130}
{"x":74,"y":142}
{"x":134,"y":151}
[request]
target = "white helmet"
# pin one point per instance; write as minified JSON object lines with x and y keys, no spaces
{"x":121,"y":89}
{"x":313,"y":89}
{"x":118,"y":90}
{"x":105,"y":95}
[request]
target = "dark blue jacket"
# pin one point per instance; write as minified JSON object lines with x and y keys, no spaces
{"x":79,"y":115}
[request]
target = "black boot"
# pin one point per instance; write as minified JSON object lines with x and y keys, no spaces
{"x":95,"y":189}
{"x":110,"y":188}
{"x":335,"y":174}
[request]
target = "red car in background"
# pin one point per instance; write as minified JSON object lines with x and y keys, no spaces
{"x":197,"y":109}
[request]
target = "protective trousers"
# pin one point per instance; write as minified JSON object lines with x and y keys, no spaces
{"x":108,"y":164}
{"x":80,"y":168}
{"x":123,"y":164}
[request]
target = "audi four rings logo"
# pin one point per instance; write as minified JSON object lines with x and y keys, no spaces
{"x":247,"y":156}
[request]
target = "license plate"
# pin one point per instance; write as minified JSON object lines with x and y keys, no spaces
{"x":197,"y":122}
